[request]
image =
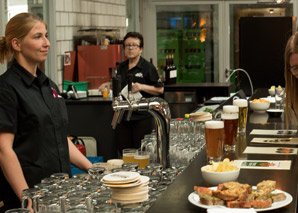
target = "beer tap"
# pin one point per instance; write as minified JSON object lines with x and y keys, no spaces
{"x":117,"y":100}
{"x":156,"y":106}
{"x":130,"y":98}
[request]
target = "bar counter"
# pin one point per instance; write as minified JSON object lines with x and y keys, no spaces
{"x":175,"y":198}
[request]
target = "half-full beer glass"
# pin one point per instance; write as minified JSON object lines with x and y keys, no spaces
{"x":214,"y":134}
{"x":230,"y":116}
{"x":243,"y":109}
{"x":128,"y":155}
{"x":142,"y":158}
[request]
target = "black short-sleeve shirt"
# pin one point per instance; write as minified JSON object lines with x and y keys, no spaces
{"x":32,"y":109}
{"x":145,"y":73}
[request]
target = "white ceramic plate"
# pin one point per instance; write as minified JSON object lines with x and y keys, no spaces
{"x":195,"y":200}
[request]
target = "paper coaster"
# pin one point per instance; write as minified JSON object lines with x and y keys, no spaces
{"x":264,"y":164}
{"x":286,"y":141}
{"x":121,"y":177}
{"x":280,"y":132}
{"x":270,"y":150}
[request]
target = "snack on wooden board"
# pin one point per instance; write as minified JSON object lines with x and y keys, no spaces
{"x":237,"y":195}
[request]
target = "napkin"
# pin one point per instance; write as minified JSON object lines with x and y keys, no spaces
{"x":137,"y":95}
{"x":229,"y":210}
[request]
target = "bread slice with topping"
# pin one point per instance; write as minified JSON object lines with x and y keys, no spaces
{"x":203,"y":190}
{"x":276,"y":197}
{"x":210,"y":200}
{"x":238,"y":204}
{"x":231,"y":185}
{"x":267,"y":184}
{"x":231,"y":194}
{"x":261,"y":204}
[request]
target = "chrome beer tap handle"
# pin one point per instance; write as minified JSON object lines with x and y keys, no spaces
{"x":160,"y":110}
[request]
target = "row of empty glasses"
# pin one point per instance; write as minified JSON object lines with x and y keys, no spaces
{"x":86,"y":192}
{"x":187,"y":139}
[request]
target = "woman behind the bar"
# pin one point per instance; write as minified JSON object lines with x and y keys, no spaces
{"x":291,"y":78}
{"x":146,"y":81}
{"x":33,"y":117}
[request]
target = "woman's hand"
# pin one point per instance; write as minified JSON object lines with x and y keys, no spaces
{"x":136,"y":87}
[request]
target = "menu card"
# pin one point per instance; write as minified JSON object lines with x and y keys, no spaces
{"x":281,"y":132}
{"x":271,"y":150}
{"x":290,"y":141}
{"x":264,"y":164}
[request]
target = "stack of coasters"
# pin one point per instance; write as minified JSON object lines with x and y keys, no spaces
{"x":127,"y":187}
{"x":201,"y":116}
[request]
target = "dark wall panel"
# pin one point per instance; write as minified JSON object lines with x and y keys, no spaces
{"x":261,"y":48}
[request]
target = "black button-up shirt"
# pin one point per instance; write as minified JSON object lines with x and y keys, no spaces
{"x":32,"y":109}
{"x":145,"y":73}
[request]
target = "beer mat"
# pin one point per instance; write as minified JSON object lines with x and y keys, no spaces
{"x":270,"y":150}
{"x":121,"y":177}
{"x":289,"y":141}
{"x":280,"y":132}
{"x":264,"y":164}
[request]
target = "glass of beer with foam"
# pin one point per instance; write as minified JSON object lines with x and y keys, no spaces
{"x":243,"y":109}
{"x":214,"y":134}
{"x":230,"y":116}
{"x":128,"y":155}
{"x":142,"y":158}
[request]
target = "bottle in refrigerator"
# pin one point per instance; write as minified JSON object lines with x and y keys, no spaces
{"x":170,"y":70}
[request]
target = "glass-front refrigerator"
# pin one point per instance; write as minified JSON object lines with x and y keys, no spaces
{"x":188,"y":33}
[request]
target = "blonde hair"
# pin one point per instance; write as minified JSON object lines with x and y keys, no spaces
{"x":291,"y":81}
{"x":17,"y":27}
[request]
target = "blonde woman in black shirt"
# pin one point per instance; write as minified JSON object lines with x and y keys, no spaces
{"x":33,"y":117}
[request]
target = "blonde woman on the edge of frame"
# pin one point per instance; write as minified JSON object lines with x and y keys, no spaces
{"x":33,"y":116}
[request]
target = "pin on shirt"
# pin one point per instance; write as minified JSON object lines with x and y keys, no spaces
{"x":55,"y":94}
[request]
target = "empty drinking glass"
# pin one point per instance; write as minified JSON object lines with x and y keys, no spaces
{"x":18,"y":210}
{"x":95,"y":172}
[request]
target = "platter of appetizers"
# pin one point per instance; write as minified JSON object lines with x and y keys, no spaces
{"x":262,"y":197}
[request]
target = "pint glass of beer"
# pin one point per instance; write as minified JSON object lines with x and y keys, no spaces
{"x":230,"y":116}
{"x":243,"y":108}
{"x":214,"y":134}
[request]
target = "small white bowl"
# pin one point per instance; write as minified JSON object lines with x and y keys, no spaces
{"x":259,"y":107}
{"x":215,"y":178}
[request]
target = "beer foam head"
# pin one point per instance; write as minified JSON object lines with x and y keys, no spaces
{"x":214,"y":124}
{"x":229,"y":116}
{"x":230,"y":109}
{"x":240,"y":102}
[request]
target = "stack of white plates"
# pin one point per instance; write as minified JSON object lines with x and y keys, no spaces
{"x":201,"y":116}
{"x":127,"y":187}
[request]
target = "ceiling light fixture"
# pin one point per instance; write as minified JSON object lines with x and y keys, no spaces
{"x":279,"y":1}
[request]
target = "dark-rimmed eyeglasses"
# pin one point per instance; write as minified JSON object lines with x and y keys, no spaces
{"x":134,"y":46}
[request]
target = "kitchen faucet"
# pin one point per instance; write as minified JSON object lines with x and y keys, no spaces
{"x":156,"y":106}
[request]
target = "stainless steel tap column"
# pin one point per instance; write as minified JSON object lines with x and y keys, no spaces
{"x":157,"y":107}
